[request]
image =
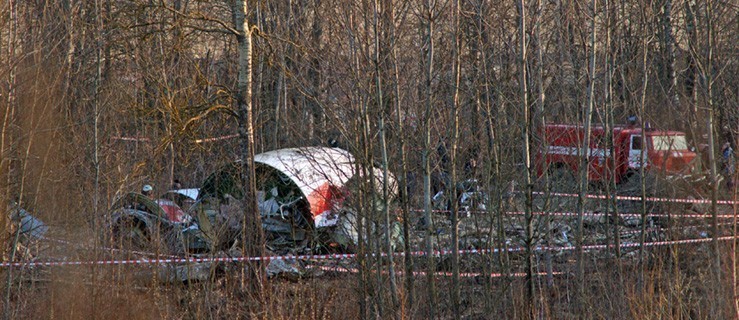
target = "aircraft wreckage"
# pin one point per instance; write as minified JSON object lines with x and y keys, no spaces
{"x":304,"y":197}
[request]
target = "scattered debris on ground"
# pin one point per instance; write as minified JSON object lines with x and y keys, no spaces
{"x":304,"y":198}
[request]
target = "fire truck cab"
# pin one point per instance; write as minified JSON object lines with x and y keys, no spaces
{"x":664,"y":151}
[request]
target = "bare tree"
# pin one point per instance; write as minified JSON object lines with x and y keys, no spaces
{"x":454,"y":128}
{"x":251,"y":230}
{"x":383,"y":146}
{"x":7,"y":145}
{"x":405,"y":201}
{"x":642,"y":153}
{"x":526,"y":140}
{"x":610,"y":18}
{"x":427,"y":56}
{"x":669,"y":48}
{"x":708,"y":79}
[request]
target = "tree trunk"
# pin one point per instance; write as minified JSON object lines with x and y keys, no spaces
{"x":317,"y":116}
{"x":251,"y":230}
{"x":611,"y":188}
{"x":402,"y":176}
{"x":585,"y":155}
{"x":691,"y":77}
{"x":385,"y":164}
{"x":669,"y":45}
{"x":429,"y":95}
{"x":454,"y":137}
{"x":6,"y":135}
{"x":708,"y":80}
{"x":7,"y":144}
{"x":642,"y":167}
{"x":526,"y":138}
{"x":543,"y":144}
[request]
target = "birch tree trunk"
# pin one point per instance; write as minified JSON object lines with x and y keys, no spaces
{"x":385,"y":191}
{"x":251,"y":230}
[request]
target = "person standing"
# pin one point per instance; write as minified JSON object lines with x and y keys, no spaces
{"x":148,"y":191}
{"x":176,"y":184}
{"x":729,"y":164}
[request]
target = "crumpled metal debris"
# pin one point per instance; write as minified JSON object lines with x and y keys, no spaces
{"x":190,"y":272}
{"x":284,"y":268}
{"x":346,"y":233}
{"x":29,"y":226}
{"x":593,"y":219}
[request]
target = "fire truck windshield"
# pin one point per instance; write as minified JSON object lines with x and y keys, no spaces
{"x":669,"y":143}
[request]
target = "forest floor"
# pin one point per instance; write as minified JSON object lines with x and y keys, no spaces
{"x":330,"y":288}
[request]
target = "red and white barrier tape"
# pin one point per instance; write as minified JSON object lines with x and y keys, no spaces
{"x":216,"y":138}
{"x":633,"y":198}
{"x":332,"y":256}
{"x":134,"y":139}
{"x":202,"y":140}
{"x":628,"y":232}
{"x":597,"y":214}
{"x":446,"y":274}
{"x":634,"y":245}
{"x":630,"y":215}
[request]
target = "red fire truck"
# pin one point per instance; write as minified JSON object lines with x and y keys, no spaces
{"x":664,"y":151}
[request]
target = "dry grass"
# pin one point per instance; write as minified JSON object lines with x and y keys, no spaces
{"x":676,"y":286}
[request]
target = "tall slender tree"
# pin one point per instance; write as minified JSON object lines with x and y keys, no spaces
{"x":427,"y":56}
{"x":251,"y":230}
{"x":584,"y":162}
{"x":526,"y":141}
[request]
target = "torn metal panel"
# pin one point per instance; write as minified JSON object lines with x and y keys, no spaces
{"x":140,"y":223}
{"x":191,"y":272}
{"x":318,"y":172}
{"x":184,"y":198}
{"x":347,"y":231}
{"x":140,"y":202}
{"x":191,"y":193}
{"x":285,"y":268}
{"x":166,"y":209}
{"x":173,"y":211}
{"x":205,"y":271}
{"x":298,"y":190}
{"x":297,"y":183}
{"x":29,"y":226}
{"x":321,"y":174}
